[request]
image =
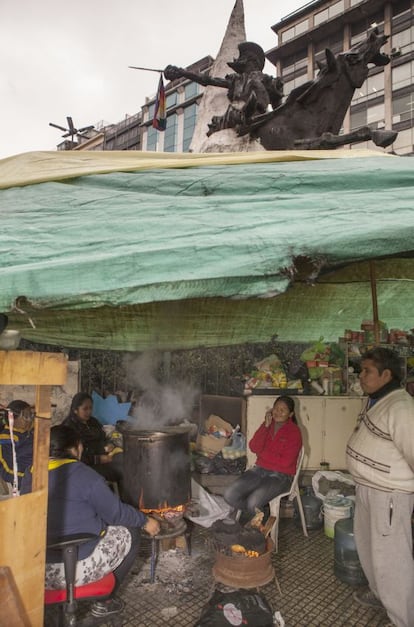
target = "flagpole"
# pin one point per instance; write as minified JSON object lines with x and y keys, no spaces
{"x":145,"y":69}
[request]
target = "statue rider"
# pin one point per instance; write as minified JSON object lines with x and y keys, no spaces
{"x":249,"y":90}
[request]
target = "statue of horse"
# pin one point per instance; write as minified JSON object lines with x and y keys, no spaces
{"x":313,"y":113}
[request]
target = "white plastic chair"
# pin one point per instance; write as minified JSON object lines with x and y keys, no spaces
{"x":293,"y":493}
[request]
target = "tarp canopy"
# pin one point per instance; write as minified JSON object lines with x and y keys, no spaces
{"x":131,"y":251}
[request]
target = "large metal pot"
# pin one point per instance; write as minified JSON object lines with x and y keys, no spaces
{"x":156,"y":466}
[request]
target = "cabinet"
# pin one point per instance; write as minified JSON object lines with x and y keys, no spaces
{"x":326,"y":422}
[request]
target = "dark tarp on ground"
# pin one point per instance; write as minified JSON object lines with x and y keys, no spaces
{"x":209,"y":255}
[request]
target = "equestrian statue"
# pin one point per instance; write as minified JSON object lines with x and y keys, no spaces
{"x":312,"y":115}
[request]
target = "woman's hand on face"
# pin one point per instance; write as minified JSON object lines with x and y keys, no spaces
{"x":268,"y":418}
{"x":152,"y":526}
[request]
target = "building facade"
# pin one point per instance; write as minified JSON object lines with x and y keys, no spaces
{"x":386,"y":99}
{"x":182,"y":100}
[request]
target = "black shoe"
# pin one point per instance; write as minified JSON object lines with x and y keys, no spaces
{"x":367,"y":598}
{"x":107,"y":608}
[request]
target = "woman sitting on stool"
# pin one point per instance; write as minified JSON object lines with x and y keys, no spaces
{"x":98,"y":452}
{"x":277,"y":444}
{"x":79,"y":501}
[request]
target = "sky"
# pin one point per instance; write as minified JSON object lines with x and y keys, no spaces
{"x":71,"y":58}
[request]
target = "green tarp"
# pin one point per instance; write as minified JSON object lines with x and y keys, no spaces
{"x":208,"y":255}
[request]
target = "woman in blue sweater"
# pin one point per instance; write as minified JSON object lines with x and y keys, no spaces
{"x":79,"y":501}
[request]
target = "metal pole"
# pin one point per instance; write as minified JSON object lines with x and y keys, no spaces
{"x":374,"y":301}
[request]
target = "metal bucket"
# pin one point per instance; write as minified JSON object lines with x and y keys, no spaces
{"x":156,"y":467}
{"x":239,"y":571}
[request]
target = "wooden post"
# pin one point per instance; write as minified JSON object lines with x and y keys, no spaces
{"x":41,"y":436}
{"x":374,"y":301}
{"x":23,"y":519}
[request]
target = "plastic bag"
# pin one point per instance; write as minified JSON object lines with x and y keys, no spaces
{"x":329,"y":483}
{"x":241,"y":607}
{"x":210,"y":507}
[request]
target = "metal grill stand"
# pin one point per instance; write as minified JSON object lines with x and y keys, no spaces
{"x":179,"y":529}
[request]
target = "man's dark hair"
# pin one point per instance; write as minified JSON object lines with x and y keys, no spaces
{"x":385,"y":359}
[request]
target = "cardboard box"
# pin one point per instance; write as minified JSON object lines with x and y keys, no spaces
{"x":208,"y":444}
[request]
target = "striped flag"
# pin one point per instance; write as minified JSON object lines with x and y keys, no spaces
{"x":160,"y":117}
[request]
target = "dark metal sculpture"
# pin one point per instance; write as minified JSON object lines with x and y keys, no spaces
{"x":249,"y":90}
{"x":312,"y":115}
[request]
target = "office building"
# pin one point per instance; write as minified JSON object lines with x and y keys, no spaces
{"x":386,"y":99}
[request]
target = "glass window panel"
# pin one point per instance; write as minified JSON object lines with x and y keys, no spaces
{"x":302,"y":27}
{"x":295,"y":82}
{"x":320,"y":17}
{"x":336,"y":8}
{"x":190,"y":90}
{"x":402,"y":75}
{"x":295,"y":62}
{"x":288,"y":34}
{"x":375,"y":84}
{"x":375,"y":113}
{"x":151,"y":138}
{"x":170,"y":134}
{"x":404,"y":40}
{"x":171,"y":100}
{"x":151,"y":110}
{"x":403,"y":108}
{"x":358,"y":118}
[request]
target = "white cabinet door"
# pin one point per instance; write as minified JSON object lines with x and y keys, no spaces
{"x":310,"y":420}
{"x":340,"y":416}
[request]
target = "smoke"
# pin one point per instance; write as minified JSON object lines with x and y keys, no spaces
{"x":157,"y":404}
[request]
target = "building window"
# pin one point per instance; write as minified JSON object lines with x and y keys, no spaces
{"x":320,"y":17}
{"x":371,"y":88}
{"x":151,"y":138}
{"x":403,"y":75}
{"x":295,"y":62}
{"x":335,"y":45}
{"x":403,"y":108}
{"x":403,"y":41}
{"x":170,"y":134}
{"x":353,"y":2}
{"x":296,"y":30}
{"x":151,"y":110}
{"x":329,"y":13}
{"x":190,"y":117}
{"x":295,"y":82}
{"x":190,"y":90}
{"x":368,"y":116}
{"x":171,"y":100}
{"x":375,"y":115}
{"x":358,"y":119}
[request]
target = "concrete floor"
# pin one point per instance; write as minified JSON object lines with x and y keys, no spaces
{"x":311,"y":594}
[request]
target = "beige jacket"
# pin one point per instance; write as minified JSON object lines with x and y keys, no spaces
{"x":380,"y":451}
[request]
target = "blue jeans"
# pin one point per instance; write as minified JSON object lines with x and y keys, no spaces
{"x":255,"y":488}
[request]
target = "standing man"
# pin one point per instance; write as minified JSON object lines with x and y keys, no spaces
{"x":380,"y":456}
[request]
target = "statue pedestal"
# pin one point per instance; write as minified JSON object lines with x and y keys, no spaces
{"x":228,"y":141}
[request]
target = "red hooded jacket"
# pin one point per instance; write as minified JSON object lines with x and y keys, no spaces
{"x":277,"y":451}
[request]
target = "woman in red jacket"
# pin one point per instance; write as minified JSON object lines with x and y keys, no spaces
{"x":276,"y":443}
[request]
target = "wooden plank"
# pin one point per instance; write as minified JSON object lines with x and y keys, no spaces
{"x":23,"y":548}
{"x":31,"y":368}
{"x":12,"y":612}
{"x":41,"y":437}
